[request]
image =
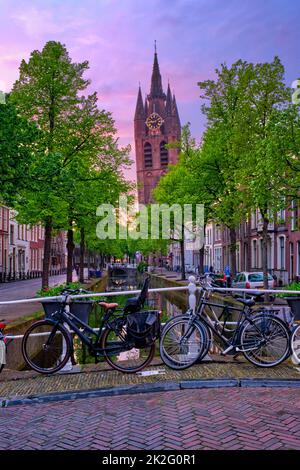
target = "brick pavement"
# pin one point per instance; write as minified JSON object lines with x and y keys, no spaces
{"x":225,"y":419}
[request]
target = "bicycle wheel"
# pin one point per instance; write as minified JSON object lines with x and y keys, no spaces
{"x":208,"y":333}
{"x":266,"y":341}
{"x":183,"y":343}
{"x":46,"y":347}
{"x":120,"y":355}
{"x":295,"y":345}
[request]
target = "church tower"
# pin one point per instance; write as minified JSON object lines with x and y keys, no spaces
{"x":156,"y":123}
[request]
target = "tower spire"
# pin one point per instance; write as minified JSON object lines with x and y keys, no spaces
{"x":139,"y":110}
{"x":175,"y":111}
{"x":156,"y":84}
{"x":169,"y":102}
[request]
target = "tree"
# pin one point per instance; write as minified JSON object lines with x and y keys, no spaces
{"x":263,"y":173}
{"x":178,"y":187}
{"x":220,"y":155}
{"x":72,"y":128}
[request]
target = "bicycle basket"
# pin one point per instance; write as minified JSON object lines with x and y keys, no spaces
{"x":143,"y":328}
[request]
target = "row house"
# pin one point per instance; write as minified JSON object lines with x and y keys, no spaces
{"x":283,"y":245}
{"x":22,"y":248}
{"x":4,"y":239}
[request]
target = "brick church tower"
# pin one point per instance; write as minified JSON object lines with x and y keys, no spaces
{"x":156,"y":123}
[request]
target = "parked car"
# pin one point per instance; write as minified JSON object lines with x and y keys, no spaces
{"x":254,"y":280}
{"x":219,"y":279}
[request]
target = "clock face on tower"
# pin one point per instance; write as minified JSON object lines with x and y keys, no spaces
{"x":154,"y":121}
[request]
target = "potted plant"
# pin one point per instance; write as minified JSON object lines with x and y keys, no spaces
{"x":80,"y":308}
{"x":293,"y":300}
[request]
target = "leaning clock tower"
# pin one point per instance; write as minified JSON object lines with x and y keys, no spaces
{"x":156,"y":123}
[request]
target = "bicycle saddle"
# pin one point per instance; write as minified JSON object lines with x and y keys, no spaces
{"x":107,"y":305}
{"x":247,"y":302}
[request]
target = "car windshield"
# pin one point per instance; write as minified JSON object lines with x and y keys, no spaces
{"x":257,"y":277}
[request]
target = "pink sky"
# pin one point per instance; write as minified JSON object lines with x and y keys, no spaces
{"x":117,"y":36}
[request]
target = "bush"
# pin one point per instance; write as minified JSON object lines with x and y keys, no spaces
{"x":57,"y":290}
{"x":293,"y":286}
{"x":142,"y":267}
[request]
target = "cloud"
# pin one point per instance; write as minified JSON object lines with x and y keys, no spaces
{"x":44,"y":21}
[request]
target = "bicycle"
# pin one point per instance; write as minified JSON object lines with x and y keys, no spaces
{"x":262,"y":338}
{"x":47,"y":344}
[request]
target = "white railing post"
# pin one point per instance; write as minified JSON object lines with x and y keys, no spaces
{"x":69,"y":366}
{"x":192,"y":288}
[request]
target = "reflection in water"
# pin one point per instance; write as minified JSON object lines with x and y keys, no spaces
{"x":158,"y":300}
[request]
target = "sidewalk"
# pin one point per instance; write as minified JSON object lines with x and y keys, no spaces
{"x":100,"y":377}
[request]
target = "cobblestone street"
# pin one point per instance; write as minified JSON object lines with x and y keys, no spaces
{"x":187,"y":419}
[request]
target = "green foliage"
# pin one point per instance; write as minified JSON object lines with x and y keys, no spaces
{"x":16,"y":152}
{"x":142,"y":267}
{"x":292,"y":286}
{"x":57,"y":290}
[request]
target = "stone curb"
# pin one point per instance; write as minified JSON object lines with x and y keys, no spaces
{"x":294,"y":383}
{"x":149,"y":388}
{"x":209,"y":383}
{"x":98,"y":392}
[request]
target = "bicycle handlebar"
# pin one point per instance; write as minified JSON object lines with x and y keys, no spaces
{"x":74,"y":291}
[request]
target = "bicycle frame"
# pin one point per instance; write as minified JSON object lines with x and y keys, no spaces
{"x":215,"y":326}
{"x":65,"y":316}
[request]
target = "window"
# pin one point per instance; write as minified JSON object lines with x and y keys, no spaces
{"x":238,"y":257}
{"x":281,"y":253}
{"x":148,"y":155}
{"x":294,"y":216}
{"x":254,"y":257}
{"x":254,"y":219}
{"x":258,"y":277}
{"x":281,"y":216}
{"x":218,"y":232}
{"x":11,"y":235}
{"x":5,"y":219}
{"x":164,"y":157}
{"x":218,"y":256}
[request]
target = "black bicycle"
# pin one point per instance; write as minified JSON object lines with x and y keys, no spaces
{"x":262,"y":338}
{"x":47,"y":345}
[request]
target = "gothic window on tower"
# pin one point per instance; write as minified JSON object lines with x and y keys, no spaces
{"x":148,"y":155}
{"x":164,"y":157}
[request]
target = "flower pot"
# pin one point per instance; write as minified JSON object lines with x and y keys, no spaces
{"x":294,"y":304}
{"x":81,"y":308}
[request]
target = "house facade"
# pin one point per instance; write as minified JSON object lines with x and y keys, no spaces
{"x":283,"y":245}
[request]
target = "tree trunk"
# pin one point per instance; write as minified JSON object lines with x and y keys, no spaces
{"x":265,"y":254}
{"x":47,"y":253}
{"x":82,"y":251}
{"x":182,"y":259}
{"x":201,"y":260}
{"x":232,"y":234}
{"x":70,"y":250}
